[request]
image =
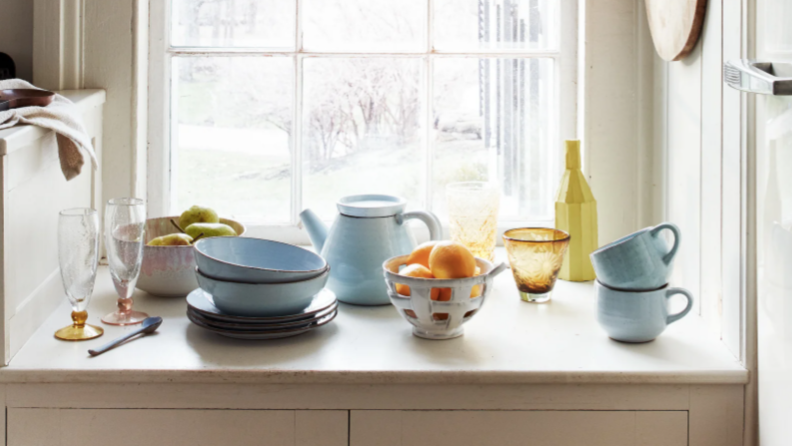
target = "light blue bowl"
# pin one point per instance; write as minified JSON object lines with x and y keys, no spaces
{"x":253,"y":260}
{"x":262,"y":299}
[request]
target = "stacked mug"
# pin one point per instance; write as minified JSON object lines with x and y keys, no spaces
{"x":632,"y":285}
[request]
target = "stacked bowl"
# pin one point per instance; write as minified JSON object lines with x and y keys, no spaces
{"x":170,"y":270}
{"x":259,"y":289}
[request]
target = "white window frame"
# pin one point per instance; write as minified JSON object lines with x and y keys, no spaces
{"x":160,"y":140}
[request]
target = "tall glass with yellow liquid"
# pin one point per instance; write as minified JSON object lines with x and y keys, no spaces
{"x":473,"y":216}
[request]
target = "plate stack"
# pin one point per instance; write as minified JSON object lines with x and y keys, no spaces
{"x":203,"y":313}
{"x":259,"y":289}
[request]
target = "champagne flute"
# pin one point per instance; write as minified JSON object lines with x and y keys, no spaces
{"x":125,"y":222}
{"x":78,"y":256}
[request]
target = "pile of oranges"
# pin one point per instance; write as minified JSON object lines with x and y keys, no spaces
{"x":440,"y":260}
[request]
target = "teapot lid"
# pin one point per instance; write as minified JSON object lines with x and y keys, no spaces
{"x":371,"y":205}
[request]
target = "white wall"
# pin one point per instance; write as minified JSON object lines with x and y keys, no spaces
{"x":698,"y":141}
{"x":617,"y":130}
{"x":101,"y":44}
{"x":16,"y":34}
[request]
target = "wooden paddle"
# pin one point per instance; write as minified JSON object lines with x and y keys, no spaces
{"x":675,"y":26}
{"x":25,"y":97}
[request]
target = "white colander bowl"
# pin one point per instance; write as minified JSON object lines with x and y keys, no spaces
{"x":432,"y":319}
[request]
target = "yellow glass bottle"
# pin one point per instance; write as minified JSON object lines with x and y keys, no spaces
{"x":576,"y":213}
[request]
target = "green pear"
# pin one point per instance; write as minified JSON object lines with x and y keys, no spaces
{"x":171,"y":240}
{"x":198,"y":214}
{"x":210,"y":230}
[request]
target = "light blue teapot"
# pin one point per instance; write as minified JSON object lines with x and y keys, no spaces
{"x":369,"y":230}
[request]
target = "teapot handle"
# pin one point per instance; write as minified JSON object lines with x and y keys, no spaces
{"x":429,"y":219}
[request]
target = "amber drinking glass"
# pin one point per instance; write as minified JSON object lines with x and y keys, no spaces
{"x":78,"y":257}
{"x":535,"y":255}
{"x":473,"y":216}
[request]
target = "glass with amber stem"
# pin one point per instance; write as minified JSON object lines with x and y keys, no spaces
{"x":78,"y":256}
{"x":536,"y":256}
{"x":125,"y":221}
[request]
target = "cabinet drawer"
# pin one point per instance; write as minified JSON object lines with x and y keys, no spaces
{"x":512,"y":428}
{"x":133,"y":427}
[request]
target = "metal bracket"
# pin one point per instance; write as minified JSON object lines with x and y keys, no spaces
{"x":759,"y":77}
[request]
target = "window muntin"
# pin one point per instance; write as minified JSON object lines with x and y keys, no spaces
{"x":423,"y":103}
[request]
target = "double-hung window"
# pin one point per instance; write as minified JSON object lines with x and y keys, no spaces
{"x":260,"y":108}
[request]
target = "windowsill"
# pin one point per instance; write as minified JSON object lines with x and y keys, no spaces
{"x":508,"y":342}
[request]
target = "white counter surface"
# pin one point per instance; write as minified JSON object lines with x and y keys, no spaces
{"x":509,"y":341}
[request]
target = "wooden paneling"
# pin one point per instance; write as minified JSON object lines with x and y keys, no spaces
{"x":684,"y":167}
{"x":716,"y":416}
{"x":321,"y":427}
{"x":66,"y":427}
{"x":711,"y":144}
{"x":320,"y":396}
{"x":661,"y":428}
{"x":507,"y":428}
{"x":733,"y":187}
{"x":702,"y":139}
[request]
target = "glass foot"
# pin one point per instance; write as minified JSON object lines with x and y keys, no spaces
{"x":75,"y":333}
{"x":535,"y":298}
{"x":124,"y":318}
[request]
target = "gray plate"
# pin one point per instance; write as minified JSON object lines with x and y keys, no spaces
{"x":248,"y":326}
{"x":201,"y":302}
{"x":270,"y":334}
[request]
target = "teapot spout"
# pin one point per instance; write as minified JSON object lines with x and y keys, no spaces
{"x":317,"y":230}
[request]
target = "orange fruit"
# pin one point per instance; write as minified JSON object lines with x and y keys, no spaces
{"x":451,"y":260}
{"x":417,"y":270}
{"x":420,"y":255}
{"x":414,"y":270}
{"x":443,"y":294}
{"x":476,"y":291}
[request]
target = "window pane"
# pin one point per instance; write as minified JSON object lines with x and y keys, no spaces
{"x":231,"y":136}
{"x":473,"y":25}
{"x":494,"y":120}
{"x":362,"y":128}
{"x":234,"y":23}
{"x":364,"y":25}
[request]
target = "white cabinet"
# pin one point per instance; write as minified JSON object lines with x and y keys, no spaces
{"x":513,"y":428}
{"x":133,"y":427}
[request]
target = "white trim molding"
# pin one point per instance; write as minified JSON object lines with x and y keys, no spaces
{"x":58,"y":44}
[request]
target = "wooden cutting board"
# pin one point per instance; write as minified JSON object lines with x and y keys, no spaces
{"x":675,"y":26}
{"x":25,"y":98}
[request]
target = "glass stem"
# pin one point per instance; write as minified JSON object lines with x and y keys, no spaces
{"x":79,"y":318}
{"x":124,"y":304}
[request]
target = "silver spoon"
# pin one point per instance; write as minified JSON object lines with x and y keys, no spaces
{"x":149,"y":325}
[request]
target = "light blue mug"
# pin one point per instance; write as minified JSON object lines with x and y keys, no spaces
{"x":639,"y":261}
{"x":637,"y":316}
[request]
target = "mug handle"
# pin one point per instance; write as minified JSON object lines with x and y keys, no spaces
{"x":430,"y":220}
{"x":673,"y":228}
{"x":673,"y":291}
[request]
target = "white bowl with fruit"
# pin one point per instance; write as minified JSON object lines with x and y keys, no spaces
{"x":439,"y":287}
{"x":168,"y":267}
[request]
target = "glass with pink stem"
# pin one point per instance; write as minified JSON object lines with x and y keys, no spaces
{"x":125,"y":223}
